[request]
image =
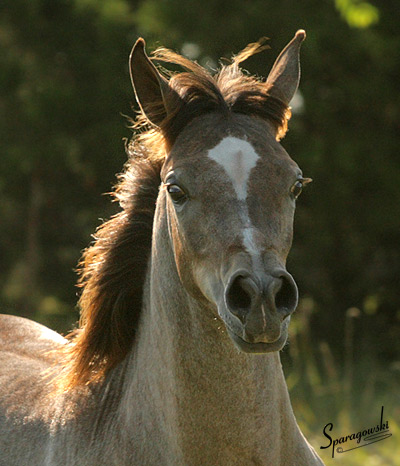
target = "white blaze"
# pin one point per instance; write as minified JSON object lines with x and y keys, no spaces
{"x":248,"y":241}
{"x":237,"y":157}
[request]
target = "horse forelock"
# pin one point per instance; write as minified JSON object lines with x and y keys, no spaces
{"x":228,"y":90}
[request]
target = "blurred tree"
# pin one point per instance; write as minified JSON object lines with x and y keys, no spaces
{"x":64,"y":82}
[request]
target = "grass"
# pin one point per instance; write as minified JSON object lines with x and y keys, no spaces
{"x":349,"y":395}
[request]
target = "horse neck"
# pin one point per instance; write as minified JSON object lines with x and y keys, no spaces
{"x":189,"y":380}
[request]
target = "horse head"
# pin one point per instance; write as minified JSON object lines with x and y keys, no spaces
{"x":229,"y":188}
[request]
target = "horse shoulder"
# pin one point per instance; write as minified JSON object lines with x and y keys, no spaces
{"x":27,"y":350}
{"x":27,"y":338}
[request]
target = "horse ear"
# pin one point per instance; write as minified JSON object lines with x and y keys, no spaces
{"x":284,"y":77}
{"x":151,"y":89}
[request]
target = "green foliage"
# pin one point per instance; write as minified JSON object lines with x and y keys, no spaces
{"x":64,"y":84}
{"x":358,"y":14}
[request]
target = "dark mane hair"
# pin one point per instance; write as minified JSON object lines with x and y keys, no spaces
{"x":113,"y":269}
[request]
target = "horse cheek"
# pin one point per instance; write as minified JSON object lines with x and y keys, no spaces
{"x":183,"y":259}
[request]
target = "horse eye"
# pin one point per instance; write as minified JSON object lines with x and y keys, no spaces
{"x":296,"y":189}
{"x":177,"y":194}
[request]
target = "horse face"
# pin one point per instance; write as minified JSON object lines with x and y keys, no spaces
{"x":230,"y":191}
{"x":228,"y":187}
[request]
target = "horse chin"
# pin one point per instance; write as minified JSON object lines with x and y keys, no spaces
{"x":259,"y":347}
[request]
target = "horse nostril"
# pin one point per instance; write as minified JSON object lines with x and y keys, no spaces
{"x":287,"y":296}
{"x":243,"y":296}
{"x":239,"y":294}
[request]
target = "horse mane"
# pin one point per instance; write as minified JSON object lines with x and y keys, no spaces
{"x":113,"y":269}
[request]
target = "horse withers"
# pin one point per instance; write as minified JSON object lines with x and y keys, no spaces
{"x":186,"y":299}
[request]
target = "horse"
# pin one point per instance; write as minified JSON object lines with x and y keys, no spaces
{"x":185,"y":297}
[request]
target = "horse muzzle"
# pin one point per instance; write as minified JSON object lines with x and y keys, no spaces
{"x":257,"y":309}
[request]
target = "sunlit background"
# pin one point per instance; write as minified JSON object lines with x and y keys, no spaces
{"x":64,"y":94}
